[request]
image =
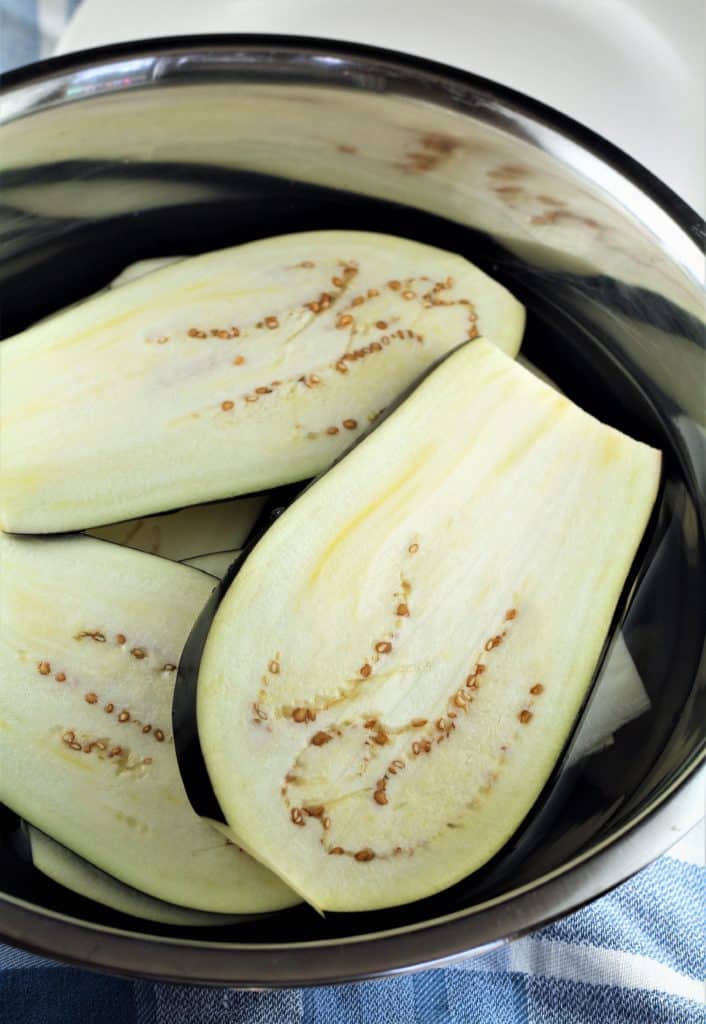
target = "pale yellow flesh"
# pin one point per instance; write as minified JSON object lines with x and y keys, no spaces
{"x":488,"y":522}
{"x":539,"y":374}
{"x":90,"y":634}
{"x":112,"y":410}
{"x":74,"y":873}
{"x":189,"y":533}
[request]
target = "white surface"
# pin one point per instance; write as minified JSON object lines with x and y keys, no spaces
{"x":633,"y":70}
{"x":550,"y":958}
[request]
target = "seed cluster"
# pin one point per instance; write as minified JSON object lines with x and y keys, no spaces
{"x":342,"y":363}
{"x":69,"y":739}
{"x":138,"y":652}
{"x":313,"y":380}
{"x":104,"y":748}
{"x":380,"y":792}
{"x":463,"y":697}
{"x":444,"y":726}
{"x":228,"y":404}
{"x":379,"y":735}
{"x":381,"y":648}
{"x":124,"y":716}
{"x":421,"y":289}
{"x":526,"y":714}
{"x":222,"y":333}
{"x":44,"y":668}
{"x":340,"y":281}
{"x":269,"y":322}
{"x":431,"y":297}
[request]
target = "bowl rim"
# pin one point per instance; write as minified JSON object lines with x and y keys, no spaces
{"x":439,"y":940}
{"x":687,"y":218}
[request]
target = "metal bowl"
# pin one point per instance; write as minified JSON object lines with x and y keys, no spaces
{"x":181,"y":145}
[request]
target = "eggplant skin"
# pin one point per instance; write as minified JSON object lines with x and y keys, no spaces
{"x":398,"y":663}
{"x":227,"y":374}
{"x":91,"y":637}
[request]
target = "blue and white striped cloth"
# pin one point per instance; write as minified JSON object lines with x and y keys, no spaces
{"x":637,"y":956}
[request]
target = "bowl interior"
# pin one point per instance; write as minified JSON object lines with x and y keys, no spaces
{"x":612,"y":319}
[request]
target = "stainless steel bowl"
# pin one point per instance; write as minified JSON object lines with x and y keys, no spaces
{"x":180,"y":145}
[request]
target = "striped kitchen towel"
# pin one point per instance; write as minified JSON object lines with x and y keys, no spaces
{"x":636,"y":956}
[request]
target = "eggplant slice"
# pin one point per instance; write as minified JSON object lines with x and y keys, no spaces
{"x":227,"y":374}
{"x":77,"y":875}
{"x":90,"y":636}
{"x":396,"y":667}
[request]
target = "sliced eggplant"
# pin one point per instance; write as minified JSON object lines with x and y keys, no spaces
{"x":396,"y":667}
{"x":216,"y":564}
{"x":90,"y":637}
{"x":74,"y":873}
{"x":227,"y":374}
{"x":189,"y":533}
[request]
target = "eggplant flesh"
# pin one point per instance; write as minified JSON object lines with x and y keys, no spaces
{"x":397,"y":665}
{"x":201,"y":535}
{"x":190,"y":532}
{"x":76,"y":874}
{"x":91,"y":634}
{"x":236,"y":371}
